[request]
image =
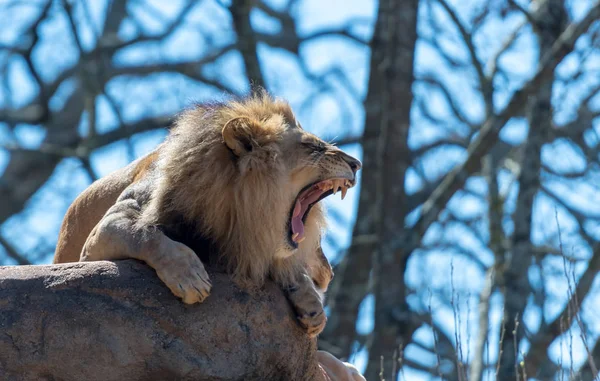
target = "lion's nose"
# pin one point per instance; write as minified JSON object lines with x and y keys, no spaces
{"x":354,"y":164}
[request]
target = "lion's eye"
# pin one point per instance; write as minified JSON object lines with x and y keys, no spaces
{"x":314,"y":146}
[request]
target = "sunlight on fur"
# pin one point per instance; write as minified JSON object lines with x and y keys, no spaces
{"x":241,"y":193}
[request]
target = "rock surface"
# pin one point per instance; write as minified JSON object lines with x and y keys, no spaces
{"x":117,"y":321}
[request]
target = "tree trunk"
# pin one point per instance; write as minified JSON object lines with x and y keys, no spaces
{"x":382,"y":206}
{"x":550,"y":22}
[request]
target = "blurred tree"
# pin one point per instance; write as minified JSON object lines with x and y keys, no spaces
{"x":477,"y":237}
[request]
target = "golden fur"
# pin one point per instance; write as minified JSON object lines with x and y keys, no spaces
{"x":229,"y":174}
{"x":230,"y":199}
{"x":91,"y":205}
{"x":231,"y":171}
{"x":227,"y":198}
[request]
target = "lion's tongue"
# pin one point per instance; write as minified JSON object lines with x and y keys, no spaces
{"x":300,"y":208}
{"x":297,"y":225}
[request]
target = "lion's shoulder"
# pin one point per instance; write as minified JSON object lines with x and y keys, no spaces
{"x":89,"y":207}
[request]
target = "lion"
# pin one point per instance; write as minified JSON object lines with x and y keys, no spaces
{"x":235,"y":185}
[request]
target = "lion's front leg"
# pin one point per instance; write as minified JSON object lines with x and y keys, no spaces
{"x":308,"y":305}
{"x":121,"y":235}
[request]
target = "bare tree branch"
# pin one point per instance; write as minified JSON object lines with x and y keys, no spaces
{"x":240,"y":11}
{"x":484,"y":82}
{"x":488,"y":134}
{"x":12,"y":252}
{"x":515,"y":283}
{"x":537,"y":360}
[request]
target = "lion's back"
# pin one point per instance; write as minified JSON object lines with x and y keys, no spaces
{"x":91,"y":205}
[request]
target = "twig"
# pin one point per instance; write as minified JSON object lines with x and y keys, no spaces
{"x":477,"y":366}
{"x":500,"y":343}
{"x":573,"y":298}
{"x":467,"y":37}
{"x":435,"y":339}
{"x":240,"y":12}
{"x":457,"y":335}
{"x":516,"y":345}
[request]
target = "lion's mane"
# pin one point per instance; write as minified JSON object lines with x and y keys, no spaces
{"x":241,"y":205}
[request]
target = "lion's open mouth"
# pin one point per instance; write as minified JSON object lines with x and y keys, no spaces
{"x":308,"y":197}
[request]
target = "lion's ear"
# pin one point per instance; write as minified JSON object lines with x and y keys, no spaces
{"x":237,"y":134}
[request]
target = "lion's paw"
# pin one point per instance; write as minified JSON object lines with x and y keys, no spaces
{"x":183,"y":272}
{"x":313,"y":321}
{"x":309,"y":309}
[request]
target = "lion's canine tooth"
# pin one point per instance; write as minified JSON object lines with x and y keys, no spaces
{"x":301,"y":239}
{"x":295,"y":236}
{"x":344,"y":190}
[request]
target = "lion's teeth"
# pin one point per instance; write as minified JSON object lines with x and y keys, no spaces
{"x":294,"y":236}
{"x":301,"y":239}
{"x":344,"y":190}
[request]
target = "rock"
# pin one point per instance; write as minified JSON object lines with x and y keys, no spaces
{"x":117,"y":321}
